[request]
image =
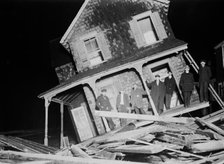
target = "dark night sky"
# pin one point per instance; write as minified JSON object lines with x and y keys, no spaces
{"x":29,"y":25}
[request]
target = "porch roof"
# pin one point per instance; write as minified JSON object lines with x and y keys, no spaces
{"x":162,"y":49}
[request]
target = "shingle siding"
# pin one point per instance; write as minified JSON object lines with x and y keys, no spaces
{"x":105,"y":16}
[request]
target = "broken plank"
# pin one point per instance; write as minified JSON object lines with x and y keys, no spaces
{"x":79,"y":152}
{"x":211,"y":126}
{"x":137,"y":149}
{"x":167,"y":148}
{"x":137,"y":133}
{"x":180,"y":111}
{"x":208,"y":146}
{"x":183,"y":120}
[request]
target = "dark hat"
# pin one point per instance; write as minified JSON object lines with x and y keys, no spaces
{"x":157,"y":75}
{"x":103,"y":90}
{"x":202,"y":61}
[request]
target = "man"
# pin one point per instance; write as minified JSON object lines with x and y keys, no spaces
{"x":103,"y":104}
{"x":136,"y":99}
{"x":170,"y":87}
{"x":187,"y":85}
{"x":123,"y":105}
{"x":157,"y":93}
{"x":204,"y":79}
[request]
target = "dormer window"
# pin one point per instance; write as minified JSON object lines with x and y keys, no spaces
{"x":90,"y":50}
{"x":93,"y":51}
{"x":147,"y":28}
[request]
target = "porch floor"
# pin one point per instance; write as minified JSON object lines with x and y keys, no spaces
{"x":182,"y":110}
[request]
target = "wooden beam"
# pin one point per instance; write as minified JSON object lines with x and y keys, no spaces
{"x":211,"y":126}
{"x":143,"y":117}
{"x":180,"y":111}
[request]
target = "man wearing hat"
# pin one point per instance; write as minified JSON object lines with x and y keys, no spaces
{"x":204,"y":79}
{"x":103,"y":104}
{"x":158,"y":89}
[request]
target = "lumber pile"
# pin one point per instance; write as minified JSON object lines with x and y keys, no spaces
{"x":158,"y":142}
{"x":154,"y":139}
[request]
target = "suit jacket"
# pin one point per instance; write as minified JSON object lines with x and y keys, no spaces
{"x":170,"y":85}
{"x":157,"y":90}
{"x":204,"y":74}
{"x":103,"y":103}
{"x":187,"y":82}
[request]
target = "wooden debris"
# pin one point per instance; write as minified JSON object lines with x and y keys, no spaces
{"x":144,"y":117}
{"x":78,"y":152}
{"x":208,"y":146}
{"x":212,"y":126}
{"x":26,"y":145}
{"x":55,"y":159}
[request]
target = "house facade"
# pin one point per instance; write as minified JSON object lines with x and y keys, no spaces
{"x":114,"y":45}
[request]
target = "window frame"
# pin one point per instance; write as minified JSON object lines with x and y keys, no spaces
{"x":92,"y":55}
{"x":145,"y":15}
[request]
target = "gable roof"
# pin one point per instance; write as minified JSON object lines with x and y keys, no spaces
{"x":67,"y":35}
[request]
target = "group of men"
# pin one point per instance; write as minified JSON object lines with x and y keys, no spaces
{"x":161,"y":93}
{"x":187,"y":83}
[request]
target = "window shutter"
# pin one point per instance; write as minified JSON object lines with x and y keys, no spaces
{"x":103,"y":45}
{"x":80,"y":46}
{"x":159,"y":27}
{"x":137,"y":33}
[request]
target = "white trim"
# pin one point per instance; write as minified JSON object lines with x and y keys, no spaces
{"x":142,"y":15}
{"x":113,"y":70}
{"x":88,"y":35}
{"x":73,"y":22}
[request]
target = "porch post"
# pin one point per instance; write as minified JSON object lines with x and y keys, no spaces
{"x":139,"y":70}
{"x":47,"y":103}
{"x":62,"y":125}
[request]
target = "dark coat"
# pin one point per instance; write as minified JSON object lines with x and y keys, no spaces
{"x":170,"y":85}
{"x":157,"y":90}
{"x":187,"y":82}
{"x":204,"y":74}
{"x":103,"y":103}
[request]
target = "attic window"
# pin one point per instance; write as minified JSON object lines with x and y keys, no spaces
{"x":93,"y":51}
{"x":147,"y":28}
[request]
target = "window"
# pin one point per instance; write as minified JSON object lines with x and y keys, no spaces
{"x":93,"y":51}
{"x":147,"y":28}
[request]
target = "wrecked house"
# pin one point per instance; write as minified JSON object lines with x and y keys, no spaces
{"x":114,"y":45}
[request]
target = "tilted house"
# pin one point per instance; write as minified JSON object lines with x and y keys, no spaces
{"x":116,"y":44}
